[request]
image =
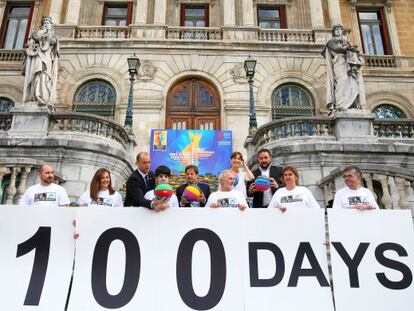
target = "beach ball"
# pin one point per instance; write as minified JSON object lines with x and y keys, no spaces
{"x":236,"y":179}
{"x":192,"y":193}
{"x":262,"y":183}
{"x":163,"y":192}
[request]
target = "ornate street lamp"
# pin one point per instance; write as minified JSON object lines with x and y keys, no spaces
{"x":249,"y":67}
{"x":133,"y":66}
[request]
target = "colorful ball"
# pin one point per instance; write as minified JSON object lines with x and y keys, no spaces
{"x":262,"y":183}
{"x":163,"y":192}
{"x":192,"y":193}
{"x":236,"y":179}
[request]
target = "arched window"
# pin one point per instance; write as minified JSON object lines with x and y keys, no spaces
{"x":387,"y":111}
{"x":5,"y":104}
{"x":291,"y":100}
{"x":96,"y":97}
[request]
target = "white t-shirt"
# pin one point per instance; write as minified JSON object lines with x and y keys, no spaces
{"x":230,"y":198}
{"x":50,"y":195}
{"x":104,"y":199}
{"x":348,"y":198}
{"x":241,"y":186}
{"x":299,"y":197}
{"x":173,"y":200}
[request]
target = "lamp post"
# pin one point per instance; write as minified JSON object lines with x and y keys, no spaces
{"x":249,"y":67}
{"x":133,"y":66}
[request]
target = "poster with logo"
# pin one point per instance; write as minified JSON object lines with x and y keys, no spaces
{"x":209,"y":150}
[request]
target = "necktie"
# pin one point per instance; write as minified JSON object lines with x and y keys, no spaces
{"x":146,"y":178}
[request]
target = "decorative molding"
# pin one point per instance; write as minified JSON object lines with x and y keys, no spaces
{"x":146,"y":70}
{"x":238,"y":73}
{"x":211,"y":2}
{"x":286,"y":2}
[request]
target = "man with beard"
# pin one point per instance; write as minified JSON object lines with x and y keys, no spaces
{"x":46,"y":193}
{"x":261,"y":199}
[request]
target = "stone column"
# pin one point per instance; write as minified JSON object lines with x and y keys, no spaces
{"x":72,"y":13}
{"x":386,"y":197}
{"x":3,"y":171}
{"x":316,"y":13}
{"x":56,"y":11}
{"x":403,"y":201}
{"x":368,"y":179}
{"x":160,"y":11}
{"x":334,"y":12}
{"x":22,"y":187}
{"x":247,"y":12}
{"x":11,"y":189}
{"x":229,"y":13}
{"x":141,"y":11}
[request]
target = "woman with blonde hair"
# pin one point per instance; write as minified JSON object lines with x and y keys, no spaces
{"x":101,"y":192}
{"x":292,"y":195}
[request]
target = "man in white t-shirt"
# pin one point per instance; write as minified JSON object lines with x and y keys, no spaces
{"x":46,"y":193}
{"x":227,"y":196}
{"x":354,"y":195}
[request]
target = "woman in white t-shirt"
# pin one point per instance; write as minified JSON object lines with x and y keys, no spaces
{"x":292,"y":195}
{"x":101,"y":193}
{"x":237,"y":162}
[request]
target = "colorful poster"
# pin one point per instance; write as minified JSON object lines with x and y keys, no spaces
{"x":209,"y":150}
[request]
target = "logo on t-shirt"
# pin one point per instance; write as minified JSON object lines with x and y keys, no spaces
{"x":45,"y":197}
{"x":291,"y":198}
{"x":103,"y":201}
{"x":227,"y":202}
{"x":357,"y":199}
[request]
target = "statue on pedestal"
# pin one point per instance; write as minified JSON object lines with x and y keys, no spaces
{"x":345,"y":88}
{"x":41,"y":65}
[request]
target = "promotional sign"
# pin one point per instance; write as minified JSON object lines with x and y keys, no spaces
{"x":36,"y":257}
{"x":285,"y":258}
{"x":372,"y":259}
{"x":209,"y":150}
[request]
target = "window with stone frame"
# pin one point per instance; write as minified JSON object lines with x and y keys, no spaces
{"x":387,"y":111}
{"x":290,"y":100}
{"x":95,"y":97}
{"x":117,"y":14}
{"x":16,"y":25}
{"x":6,"y":104}
{"x":271,"y":17}
{"x":374,"y":31}
{"x":194,"y":15}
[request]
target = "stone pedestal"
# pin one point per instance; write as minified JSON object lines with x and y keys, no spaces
{"x":354,"y":125}
{"x":30,"y":122}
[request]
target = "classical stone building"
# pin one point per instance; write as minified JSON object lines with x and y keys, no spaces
{"x":192,"y":76}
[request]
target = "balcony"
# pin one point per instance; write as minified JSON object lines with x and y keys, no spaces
{"x":194,"y":33}
{"x":286,"y":35}
{"x":102,"y":32}
{"x":12,"y":55}
{"x":394,"y":129}
{"x":380,"y":61}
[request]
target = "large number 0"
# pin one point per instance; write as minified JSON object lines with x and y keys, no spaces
{"x":99,"y":267}
{"x":40,"y":241}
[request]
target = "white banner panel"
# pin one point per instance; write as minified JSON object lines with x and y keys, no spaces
{"x":199,"y":266}
{"x":372,"y":259}
{"x":36,"y":257}
{"x":115,"y":259}
{"x":285,"y":262}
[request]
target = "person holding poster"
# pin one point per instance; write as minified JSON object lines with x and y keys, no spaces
{"x":227,"y":196}
{"x":191,"y":173}
{"x":140,"y":182}
{"x":46,"y":193}
{"x":261,"y":199}
{"x":101,"y":193}
{"x":237,"y":162}
{"x":162,"y":176}
{"x":353,"y":195}
{"x":292,"y":195}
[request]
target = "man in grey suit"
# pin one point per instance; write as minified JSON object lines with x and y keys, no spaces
{"x":262,"y":198}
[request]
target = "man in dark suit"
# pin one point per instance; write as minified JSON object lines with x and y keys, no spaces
{"x":140,"y":182}
{"x":262,"y":198}
{"x":191,"y":173}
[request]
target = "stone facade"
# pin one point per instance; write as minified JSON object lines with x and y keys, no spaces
{"x":170,"y":53}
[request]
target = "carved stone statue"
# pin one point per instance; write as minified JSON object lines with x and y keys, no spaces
{"x":345,"y":88}
{"x":41,"y":65}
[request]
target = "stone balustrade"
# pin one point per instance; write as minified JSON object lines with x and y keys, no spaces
{"x":5,"y":121}
{"x":394,"y":128}
{"x":102,"y":32}
{"x":380,"y":61}
{"x":62,"y":122}
{"x":12,"y":55}
{"x":194,"y":33}
{"x":16,"y":175}
{"x":295,"y":127}
{"x":286,"y":35}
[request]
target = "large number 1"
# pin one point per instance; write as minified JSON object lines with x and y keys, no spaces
{"x":40,"y":241}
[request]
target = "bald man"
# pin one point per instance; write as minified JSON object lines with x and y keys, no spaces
{"x":45,"y":193}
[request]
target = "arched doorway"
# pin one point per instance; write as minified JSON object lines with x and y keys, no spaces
{"x":193,"y":103}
